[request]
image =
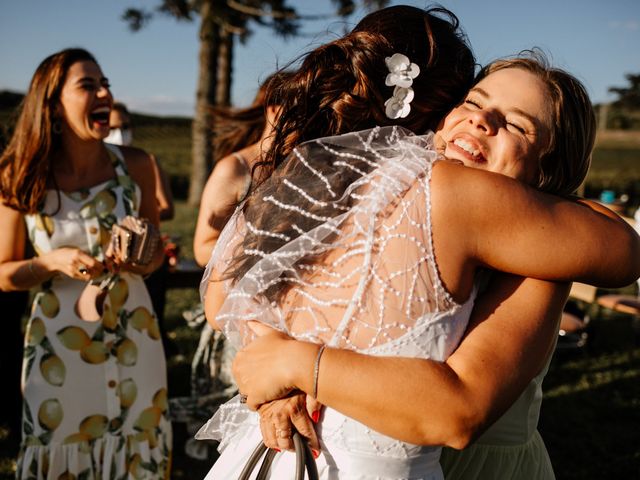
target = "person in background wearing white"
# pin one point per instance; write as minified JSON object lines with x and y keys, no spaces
{"x":121,"y":133}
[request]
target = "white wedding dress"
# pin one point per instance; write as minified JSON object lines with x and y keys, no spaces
{"x":372,"y":286}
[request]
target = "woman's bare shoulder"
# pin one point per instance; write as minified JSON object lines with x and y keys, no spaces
{"x":231,"y":167}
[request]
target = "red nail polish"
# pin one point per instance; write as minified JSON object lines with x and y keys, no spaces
{"x":277,"y":450}
{"x":315,"y":416}
{"x":315,"y":453}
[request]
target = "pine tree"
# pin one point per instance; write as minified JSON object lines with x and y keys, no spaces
{"x":220,"y":22}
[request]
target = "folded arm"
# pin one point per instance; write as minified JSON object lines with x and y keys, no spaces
{"x":417,"y":400}
{"x":505,"y":225}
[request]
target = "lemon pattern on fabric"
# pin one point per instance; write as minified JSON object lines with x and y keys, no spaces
{"x":95,"y":392}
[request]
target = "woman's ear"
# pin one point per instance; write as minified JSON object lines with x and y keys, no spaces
{"x":57,"y":113}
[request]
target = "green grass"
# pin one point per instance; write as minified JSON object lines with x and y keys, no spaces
{"x":170,"y":143}
{"x":590,"y":416}
{"x":615,"y":168}
{"x":181,"y":229}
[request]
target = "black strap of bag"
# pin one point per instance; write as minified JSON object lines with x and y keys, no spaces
{"x":304,"y":461}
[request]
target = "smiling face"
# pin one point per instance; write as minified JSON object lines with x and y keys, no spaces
{"x":503,"y":125}
{"x":85,"y":102}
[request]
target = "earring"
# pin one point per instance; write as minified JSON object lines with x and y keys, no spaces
{"x":57,"y":126}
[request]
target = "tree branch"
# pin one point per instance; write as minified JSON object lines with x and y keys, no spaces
{"x":279,"y":14}
{"x":136,"y":18}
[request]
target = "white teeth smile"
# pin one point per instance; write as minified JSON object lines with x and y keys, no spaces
{"x":101,"y":110}
{"x":467,"y":147}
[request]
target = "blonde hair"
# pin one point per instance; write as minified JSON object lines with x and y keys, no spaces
{"x":565,"y":163}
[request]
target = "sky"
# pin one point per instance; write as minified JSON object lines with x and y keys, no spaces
{"x":154,"y":71}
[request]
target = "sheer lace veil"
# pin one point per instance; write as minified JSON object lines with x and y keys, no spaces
{"x":347,"y":254}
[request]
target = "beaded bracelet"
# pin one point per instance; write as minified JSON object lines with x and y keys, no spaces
{"x":316,"y":369}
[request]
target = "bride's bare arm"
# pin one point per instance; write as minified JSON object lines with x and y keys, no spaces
{"x":213,"y":300}
{"x":416,"y":400}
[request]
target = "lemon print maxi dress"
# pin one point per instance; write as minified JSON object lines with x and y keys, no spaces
{"x":95,"y":393}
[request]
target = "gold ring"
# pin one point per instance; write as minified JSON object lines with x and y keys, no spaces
{"x":280,"y":433}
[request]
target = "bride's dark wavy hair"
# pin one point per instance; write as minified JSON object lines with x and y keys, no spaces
{"x":340,"y":88}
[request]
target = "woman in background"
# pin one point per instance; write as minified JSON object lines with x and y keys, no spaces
{"x":95,"y":391}
{"x":241,"y":137}
{"x":121,"y":133}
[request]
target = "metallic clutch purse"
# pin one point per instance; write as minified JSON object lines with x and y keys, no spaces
{"x":133,"y":240}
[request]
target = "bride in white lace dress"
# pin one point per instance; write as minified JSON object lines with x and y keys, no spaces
{"x":346,"y":258}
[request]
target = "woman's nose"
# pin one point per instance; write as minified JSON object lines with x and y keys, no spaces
{"x":484,"y":120}
{"x":103,"y":91}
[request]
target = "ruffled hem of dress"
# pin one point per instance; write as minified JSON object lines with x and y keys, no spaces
{"x":145,"y":455}
{"x":231,"y":419}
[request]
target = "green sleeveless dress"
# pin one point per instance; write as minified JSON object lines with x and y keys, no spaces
{"x":511,"y":448}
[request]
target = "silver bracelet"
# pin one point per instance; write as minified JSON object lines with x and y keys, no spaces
{"x":316,"y":369}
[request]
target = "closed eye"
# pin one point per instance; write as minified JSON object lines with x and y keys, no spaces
{"x":471,"y":102}
{"x":516,"y":126}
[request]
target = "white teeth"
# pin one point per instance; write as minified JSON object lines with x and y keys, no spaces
{"x":467,"y":147}
{"x":101,"y":110}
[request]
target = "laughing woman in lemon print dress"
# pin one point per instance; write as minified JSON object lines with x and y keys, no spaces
{"x":95,"y":391}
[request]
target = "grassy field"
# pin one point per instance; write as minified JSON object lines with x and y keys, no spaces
{"x":616,"y":164}
{"x":590,"y":415}
{"x":591,"y":411}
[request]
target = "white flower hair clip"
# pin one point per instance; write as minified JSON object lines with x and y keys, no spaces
{"x":401,"y":75}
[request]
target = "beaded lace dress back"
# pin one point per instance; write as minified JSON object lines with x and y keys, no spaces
{"x":352,"y":251}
